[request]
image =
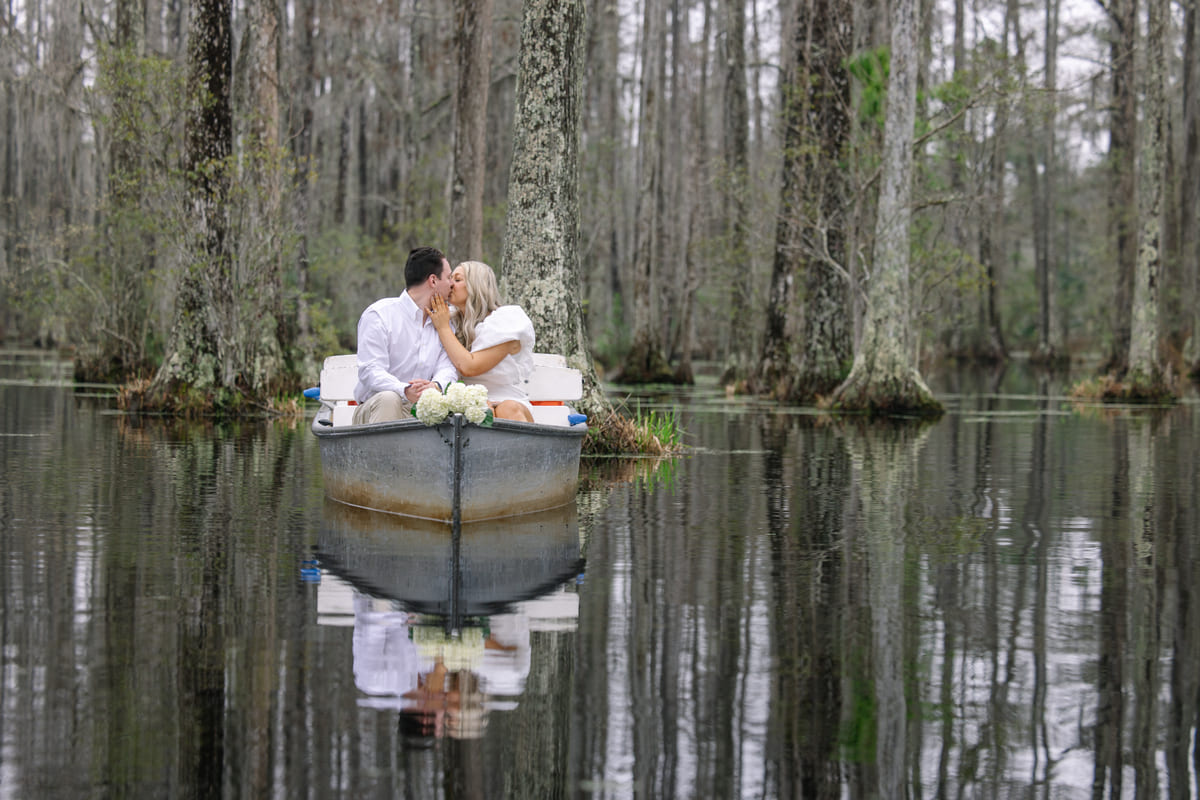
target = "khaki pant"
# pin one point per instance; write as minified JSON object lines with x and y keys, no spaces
{"x":382,"y":407}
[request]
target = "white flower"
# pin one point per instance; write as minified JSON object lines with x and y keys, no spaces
{"x":469,"y":400}
{"x":432,"y":407}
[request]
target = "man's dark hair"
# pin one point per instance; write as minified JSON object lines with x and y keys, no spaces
{"x":422,"y":262}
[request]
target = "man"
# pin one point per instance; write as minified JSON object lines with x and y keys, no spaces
{"x":399,"y":353}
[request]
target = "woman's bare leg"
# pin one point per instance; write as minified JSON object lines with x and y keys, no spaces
{"x":511,"y":409}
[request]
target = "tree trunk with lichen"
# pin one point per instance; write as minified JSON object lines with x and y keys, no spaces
{"x":810,"y":232}
{"x":224,"y":352}
{"x":194,"y":362}
{"x":1147,"y":378}
{"x":1189,"y":201}
{"x":884,"y":379}
{"x":540,"y":269}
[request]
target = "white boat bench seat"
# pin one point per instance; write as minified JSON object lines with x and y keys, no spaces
{"x":551,"y":387}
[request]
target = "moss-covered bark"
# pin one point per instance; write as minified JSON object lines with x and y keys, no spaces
{"x":540,"y":269}
{"x":884,"y":379}
{"x":224,"y":353}
{"x":1147,"y":374}
{"x":811,"y":231}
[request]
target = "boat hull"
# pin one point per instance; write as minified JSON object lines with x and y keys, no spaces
{"x":453,"y":470}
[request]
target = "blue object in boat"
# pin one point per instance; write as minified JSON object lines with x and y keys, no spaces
{"x":575,"y":419}
{"x":310,"y":572}
{"x":313,"y":393}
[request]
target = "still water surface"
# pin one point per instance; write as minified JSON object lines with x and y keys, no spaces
{"x":999,"y":604}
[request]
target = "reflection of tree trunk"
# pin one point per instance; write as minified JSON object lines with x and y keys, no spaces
{"x":1040,"y":486}
{"x":805,"y":630}
{"x":884,"y":460}
{"x":644,"y":654}
{"x":597,"y":619}
{"x":724,"y":672}
{"x":1183,"y":712}
{"x":202,"y":677}
{"x":948,"y":586}
{"x":1145,"y":606}
{"x":1114,"y":601}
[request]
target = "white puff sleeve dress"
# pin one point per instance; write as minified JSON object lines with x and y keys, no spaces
{"x":506,"y":380}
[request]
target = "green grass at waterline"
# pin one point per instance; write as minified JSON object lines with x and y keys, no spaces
{"x":653,"y":433}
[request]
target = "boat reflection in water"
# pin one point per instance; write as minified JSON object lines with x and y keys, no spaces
{"x":442,"y":615}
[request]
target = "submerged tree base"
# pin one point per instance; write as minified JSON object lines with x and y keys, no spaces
{"x":1134,"y":388}
{"x":899,"y":394}
{"x":645,"y":364}
{"x":141,"y":396}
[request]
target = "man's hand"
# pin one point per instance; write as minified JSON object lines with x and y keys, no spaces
{"x":416,"y":388}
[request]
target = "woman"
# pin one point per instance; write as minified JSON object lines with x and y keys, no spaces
{"x":493,"y":344}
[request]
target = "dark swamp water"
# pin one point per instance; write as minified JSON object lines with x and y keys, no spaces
{"x":1000,"y":604}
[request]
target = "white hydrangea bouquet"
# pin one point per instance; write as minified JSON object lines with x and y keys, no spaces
{"x":433,"y":407}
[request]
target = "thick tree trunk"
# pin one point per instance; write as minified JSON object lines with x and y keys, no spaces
{"x":697,"y":183}
{"x":810,"y":237}
{"x":677,"y":202}
{"x":827,"y":348}
{"x":224,"y":351}
{"x":1189,"y":202}
{"x":261,"y":272}
{"x":473,"y":23}
{"x":1147,"y":377}
{"x":541,"y":248}
{"x":602,"y":203}
{"x":197,"y":355}
{"x":884,"y":379}
{"x":646,"y":361}
{"x":128,"y":241}
{"x":1048,"y":351}
{"x":739,"y":272}
{"x":1122,"y":154}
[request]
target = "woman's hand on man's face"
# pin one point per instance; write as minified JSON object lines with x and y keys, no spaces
{"x":438,"y":312}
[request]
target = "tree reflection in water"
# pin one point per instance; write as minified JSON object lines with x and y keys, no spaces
{"x":1000,"y":603}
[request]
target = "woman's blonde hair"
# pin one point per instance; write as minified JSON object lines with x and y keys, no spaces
{"x":483,"y":297}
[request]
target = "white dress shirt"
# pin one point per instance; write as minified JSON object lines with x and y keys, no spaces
{"x":397,"y":343}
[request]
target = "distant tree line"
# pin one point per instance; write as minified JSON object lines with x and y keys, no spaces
{"x":817,"y":196}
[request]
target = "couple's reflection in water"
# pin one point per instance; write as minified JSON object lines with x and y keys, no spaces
{"x":442,"y":615}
